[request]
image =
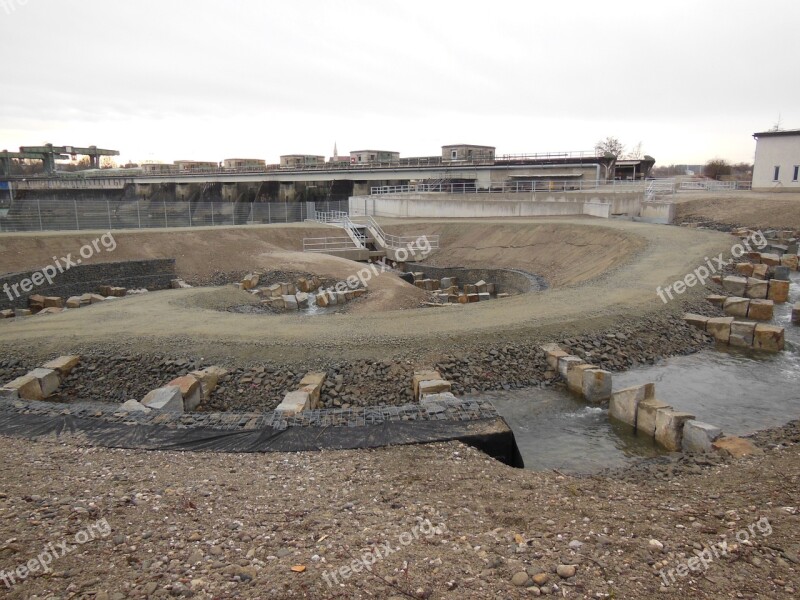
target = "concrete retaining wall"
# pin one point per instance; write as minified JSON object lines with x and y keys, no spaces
{"x":505,"y":280}
{"x":155,"y":274}
{"x":539,"y":204}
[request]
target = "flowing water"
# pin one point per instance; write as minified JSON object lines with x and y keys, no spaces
{"x":738,"y":390}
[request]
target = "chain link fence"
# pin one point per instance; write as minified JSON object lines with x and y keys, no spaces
{"x":65,"y":215}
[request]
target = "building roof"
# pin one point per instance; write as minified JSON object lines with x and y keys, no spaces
{"x":467,"y":146}
{"x":384,"y":151}
{"x":778,"y":133}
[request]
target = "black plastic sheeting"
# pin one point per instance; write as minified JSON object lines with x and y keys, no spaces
{"x":492,"y":436}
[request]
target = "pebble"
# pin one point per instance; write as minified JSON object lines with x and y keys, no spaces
{"x":566,"y":571}
{"x":520,"y":578}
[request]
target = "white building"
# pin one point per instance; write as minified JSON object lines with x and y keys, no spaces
{"x":777,"y":162}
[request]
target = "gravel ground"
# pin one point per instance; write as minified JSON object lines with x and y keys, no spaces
{"x":459,"y":525}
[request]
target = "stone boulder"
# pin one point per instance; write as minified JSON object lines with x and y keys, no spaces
{"x":191,"y":391}
{"x":796,"y":313}
{"x":63,"y":364}
{"x":695,"y":320}
{"x":768,"y":337}
{"x":736,"y":447}
{"x":133,"y":406}
{"x":736,"y":307}
{"x":735,"y":286}
{"x":596,"y":385}
{"x":26,"y":387}
{"x":434,"y":386}
{"x":720,"y":328}
{"x":646,"y":415}
{"x":698,"y":436}
{"x":778,"y":290}
{"x":209,"y":378}
{"x":669,"y":428}
{"x":624,"y":404}
{"x":167,"y":399}
{"x":575,"y":376}
{"x":756,"y":288}
{"x":760,"y":310}
{"x":742,"y":334}
{"x":294,"y":402}
{"x":420,"y":376}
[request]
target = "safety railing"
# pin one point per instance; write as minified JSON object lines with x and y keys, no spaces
{"x":512,"y":187}
{"x":329,"y":244}
{"x":711,"y":185}
{"x":47,"y":214}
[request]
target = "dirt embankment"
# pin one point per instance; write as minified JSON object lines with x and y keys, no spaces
{"x":759,"y":210}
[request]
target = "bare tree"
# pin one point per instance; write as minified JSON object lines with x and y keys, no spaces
{"x":716,"y":168}
{"x":636,"y":152}
{"x":610,"y":145}
{"x":106,"y":162}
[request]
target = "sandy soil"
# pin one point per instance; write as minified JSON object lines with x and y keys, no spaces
{"x":641,"y":257}
{"x":762,"y":210}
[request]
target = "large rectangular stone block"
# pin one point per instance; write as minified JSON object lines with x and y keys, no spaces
{"x":796,"y":313}
{"x":742,"y":334}
{"x":480,"y":287}
{"x":736,"y":307}
{"x":778,"y":290}
{"x":73,"y":302}
{"x":720,"y":328}
{"x":565,"y":362}
{"x":646,"y":415}
{"x":289,"y":301}
{"x":781,"y":273}
{"x":167,"y":398}
{"x":760,"y":271}
{"x":422,"y":375}
{"x":434,"y":386}
{"x":63,"y":364}
{"x":760,"y":310}
{"x":768,"y":337}
{"x":744,"y":269}
{"x":790,"y":260}
{"x":624,"y":404}
{"x":575,"y":376}
{"x":756,"y":288}
{"x":302,"y":299}
{"x":669,"y":428}
{"x":698,"y":436}
{"x":596,"y":385}
{"x":770,"y":259}
{"x":49,"y":380}
{"x":53,"y":302}
{"x":553,"y":355}
{"x":209,"y":378}
{"x":275,"y":290}
{"x":698,"y":321}
{"x":191,"y":390}
{"x":735,"y":286}
{"x":716,"y":299}
{"x":294,"y":402}
{"x":26,"y":387}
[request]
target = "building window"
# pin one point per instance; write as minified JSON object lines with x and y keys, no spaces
{"x":453,"y":154}
{"x":796,"y":172}
{"x":777,"y":174}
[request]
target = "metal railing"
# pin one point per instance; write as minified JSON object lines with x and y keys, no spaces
{"x":329,"y":244}
{"x":711,"y":185}
{"x":388,"y":240}
{"x":64,"y":215}
{"x":512,"y":187}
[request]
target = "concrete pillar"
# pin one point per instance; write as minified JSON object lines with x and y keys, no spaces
{"x":230,"y":191}
{"x":287,"y":191}
{"x":361,"y":188}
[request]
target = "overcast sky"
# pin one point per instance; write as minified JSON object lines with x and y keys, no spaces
{"x":166,"y":80}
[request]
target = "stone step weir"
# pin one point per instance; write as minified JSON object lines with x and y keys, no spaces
{"x":673,"y":430}
{"x":182,"y":394}
{"x":744,"y":334}
{"x":588,"y":381}
{"x":746,"y":308}
{"x":306,"y":397}
{"x":776,"y":290}
{"x":41,"y":383}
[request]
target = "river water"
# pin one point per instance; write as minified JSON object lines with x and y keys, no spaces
{"x":738,"y":390}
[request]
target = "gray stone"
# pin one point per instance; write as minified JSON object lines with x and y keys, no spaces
{"x":566,"y":362}
{"x":133,"y":406}
{"x":624,"y":404}
{"x":596,"y":385}
{"x":669,"y":428}
{"x":290,"y":302}
{"x":167,"y":398}
{"x":295,"y":402}
{"x":698,"y":436}
{"x":781,"y":273}
{"x":302,"y":299}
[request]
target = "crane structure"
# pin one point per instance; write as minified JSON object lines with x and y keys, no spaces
{"x":49,"y":154}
